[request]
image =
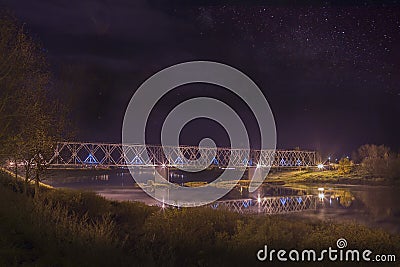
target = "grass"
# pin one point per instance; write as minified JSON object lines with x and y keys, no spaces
{"x":295,"y":177}
{"x":325,"y":176}
{"x":75,"y":228}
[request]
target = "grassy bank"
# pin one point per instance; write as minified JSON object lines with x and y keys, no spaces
{"x":72,"y":228}
{"x":326,"y":176}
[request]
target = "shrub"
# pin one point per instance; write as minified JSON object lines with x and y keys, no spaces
{"x":345,"y":166}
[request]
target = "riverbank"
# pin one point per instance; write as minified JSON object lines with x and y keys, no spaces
{"x":76,"y":228}
{"x":325,"y":177}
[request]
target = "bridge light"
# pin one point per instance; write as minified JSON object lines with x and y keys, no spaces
{"x":259,"y":198}
{"x":163,"y":165}
{"x":320,"y":166}
{"x":258,"y":165}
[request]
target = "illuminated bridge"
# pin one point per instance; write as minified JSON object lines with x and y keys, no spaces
{"x":75,"y":155}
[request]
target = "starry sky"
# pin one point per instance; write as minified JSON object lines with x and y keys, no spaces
{"x":330,"y":71}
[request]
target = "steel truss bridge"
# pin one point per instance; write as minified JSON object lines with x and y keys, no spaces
{"x":75,"y":154}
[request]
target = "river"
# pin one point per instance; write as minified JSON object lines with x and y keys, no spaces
{"x":375,"y":206}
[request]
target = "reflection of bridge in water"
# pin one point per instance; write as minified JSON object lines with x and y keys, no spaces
{"x":267,"y":205}
{"x":78,"y":155}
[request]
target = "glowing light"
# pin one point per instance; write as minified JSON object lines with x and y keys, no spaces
{"x":90,"y":159}
{"x":163,"y":165}
{"x":246,"y":203}
{"x":136,"y":160}
{"x":321,"y":194}
{"x":179,"y":161}
{"x":258,"y":165}
{"x":227,"y":168}
{"x":214,"y":206}
{"x":215,"y":161}
{"x":259,"y":199}
{"x":163,"y":204}
{"x":320,"y":166}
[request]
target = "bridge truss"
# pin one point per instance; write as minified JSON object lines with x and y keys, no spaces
{"x":74,"y":154}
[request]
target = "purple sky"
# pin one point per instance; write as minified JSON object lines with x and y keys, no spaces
{"x":331,"y":73}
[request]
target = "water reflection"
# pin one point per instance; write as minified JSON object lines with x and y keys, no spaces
{"x":372,"y":205}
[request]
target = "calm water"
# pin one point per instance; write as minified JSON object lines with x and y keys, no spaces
{"x":376,"y":206}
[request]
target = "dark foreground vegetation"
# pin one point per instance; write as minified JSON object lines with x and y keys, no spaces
{"x":72,"y":228}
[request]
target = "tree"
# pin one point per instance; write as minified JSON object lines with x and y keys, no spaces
{"x":31,"y":122}
{"x":345,"y":166}
{"x":23,"y":70}
{"x":374,"y":159}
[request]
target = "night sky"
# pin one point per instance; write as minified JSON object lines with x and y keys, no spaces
{"x":330,"y":72}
